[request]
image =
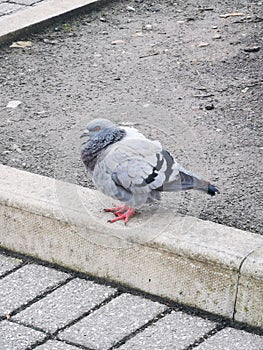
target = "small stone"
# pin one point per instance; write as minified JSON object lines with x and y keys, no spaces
{"x":102,"y":19}
{"x":13,"y":104}
{"x":214,"y":27}
{"x":217,"y":36}
{"x":245,"y":90}
{"x":209,"y":107}
{"x":203,"y":44}
{"x":51,"y":42}
{"x":252,"y":49}
{"x":117,"y":42}
{"x":16,"y":148}
{"x":137,"y":34}
{"x":148,"y":27}
{"x":130,"y":8}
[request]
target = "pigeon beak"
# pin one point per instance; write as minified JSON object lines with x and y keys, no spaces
{"x":85,"y":133}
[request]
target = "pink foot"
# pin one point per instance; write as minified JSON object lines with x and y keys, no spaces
{"x":124,"y":213}
{"x":117,"y":210}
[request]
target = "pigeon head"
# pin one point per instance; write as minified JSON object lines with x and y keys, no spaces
{"x":95,"y":126}
{"x":102,"y":133}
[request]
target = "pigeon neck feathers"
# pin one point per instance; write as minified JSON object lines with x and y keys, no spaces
{"x":93,"y":148}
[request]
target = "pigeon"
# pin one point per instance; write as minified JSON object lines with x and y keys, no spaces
{"x":132,"y":169}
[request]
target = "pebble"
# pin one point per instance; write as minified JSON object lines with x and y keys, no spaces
{"x":217,"y":36}
{"x":203,"y":44}
{"x":117,"y":42}
{"x":245,"y":90}
{"x":209,"y":107}
{"x":252,"y":49}
{"x":13,"y":104}
{"x":137,"y":34}
{"x":51,"y":42}
{"x":130,"y":8}
{"x":147,"y":27}
{"x":16,"y":148}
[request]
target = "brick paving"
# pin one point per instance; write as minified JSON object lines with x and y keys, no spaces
{"x":45,"y":308}
{"x":8,"y":7}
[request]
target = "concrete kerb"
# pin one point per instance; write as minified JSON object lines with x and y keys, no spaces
{"x":24,"y":21}
{"x":198,"y":263}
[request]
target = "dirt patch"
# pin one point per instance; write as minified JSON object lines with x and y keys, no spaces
{"x":184,"y":72}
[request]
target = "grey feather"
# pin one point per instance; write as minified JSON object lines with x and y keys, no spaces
{"x":126,"y":166}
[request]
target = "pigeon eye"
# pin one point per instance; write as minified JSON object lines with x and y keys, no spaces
{"x":97,"y":128}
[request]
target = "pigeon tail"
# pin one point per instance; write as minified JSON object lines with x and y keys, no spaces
{"x":187,"y":181}
{"x":212,"y":190}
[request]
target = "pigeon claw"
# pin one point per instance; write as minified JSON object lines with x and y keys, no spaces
{"x":115,"y":210}
{"x":124,"y":213}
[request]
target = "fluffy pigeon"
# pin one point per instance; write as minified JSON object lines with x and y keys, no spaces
{"x":130,"y":168}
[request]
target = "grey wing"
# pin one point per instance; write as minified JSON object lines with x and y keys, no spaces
{"x":180,"y":179}
{"x":133,"y":169}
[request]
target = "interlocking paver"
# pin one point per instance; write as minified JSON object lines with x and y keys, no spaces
{"x":64,"y":304}
{"x":232,"y":339}
{"x":175,"y":331}
{"x":7,"y":8}
{"x":26,"y":2}
{"x":112,"y":322}
{"x":7,"y":263}
{"x":56,"y":345}
{"x":25,"y":284}
{"x":17,"y":337}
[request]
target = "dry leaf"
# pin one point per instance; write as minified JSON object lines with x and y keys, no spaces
{"x":233,"y":14}
{"x":21,"y":44}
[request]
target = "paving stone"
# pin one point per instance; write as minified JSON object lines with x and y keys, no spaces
{"x":6,"y":8}
{"x":112,"y":322}
{"x":232,"y":339}
{"x":65,"y":304}
{"x":175,"y":331}
{"x":17,"y":337}
{"x":27,"y":2}
{"x":25,"y":284}
{"x":56,"y":345}
{"x":7,"y":263}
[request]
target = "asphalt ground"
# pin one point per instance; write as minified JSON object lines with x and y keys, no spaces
{"x":187,"y":74}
